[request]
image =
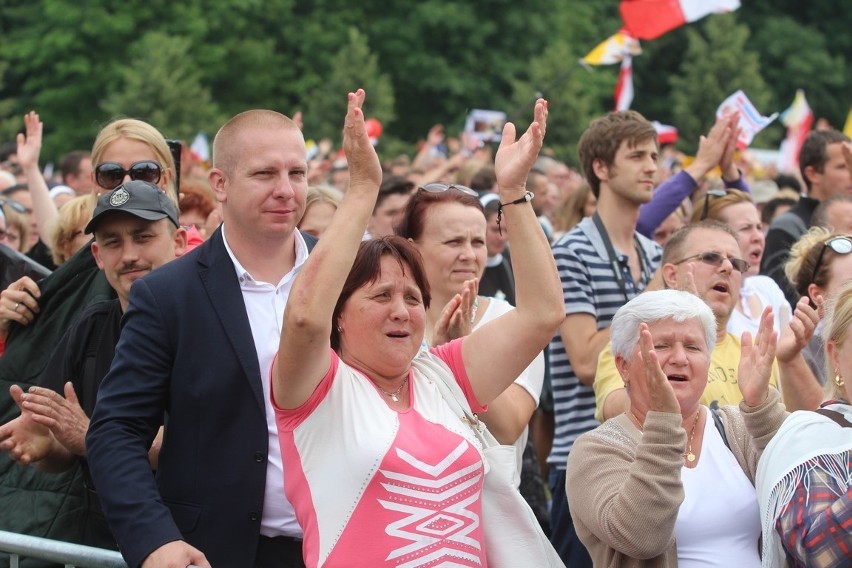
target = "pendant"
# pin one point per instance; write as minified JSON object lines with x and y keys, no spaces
{"x":396,"y":399}
{"x":690,"y":457}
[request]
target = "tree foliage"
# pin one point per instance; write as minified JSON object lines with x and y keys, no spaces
{"x":715,"y":64}
{"x":188,"y":65}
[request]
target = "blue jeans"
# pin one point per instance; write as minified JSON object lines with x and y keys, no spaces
{"x":562,"y":534}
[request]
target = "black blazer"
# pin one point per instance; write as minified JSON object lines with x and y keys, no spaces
{"x":186,"y":356}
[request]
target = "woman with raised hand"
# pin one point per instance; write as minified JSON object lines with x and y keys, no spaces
{"x":664,"y":484}
{"x":355,"y":393}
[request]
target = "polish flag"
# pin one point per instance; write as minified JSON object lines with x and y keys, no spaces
{"x":624,"y":87}
{"x":666,"y":134}
{"x":649,"y":19}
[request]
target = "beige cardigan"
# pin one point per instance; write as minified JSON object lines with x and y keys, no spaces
{"x":624,"y":488}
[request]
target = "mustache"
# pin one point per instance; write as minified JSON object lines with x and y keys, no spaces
{"x":133,"y":268}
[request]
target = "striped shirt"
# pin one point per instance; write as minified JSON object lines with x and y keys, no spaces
{"x":588,"y":286}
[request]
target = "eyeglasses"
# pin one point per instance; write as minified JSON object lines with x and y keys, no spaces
{"x":109,"y":175}
{"x":840,"y":245}
{"x":716,"y":259}
{"x":442,"y":187}
{"x":15,"y":206}
{"x":711,"y":193}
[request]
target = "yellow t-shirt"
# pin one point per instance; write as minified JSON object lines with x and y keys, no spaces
{"x":721,"y":378}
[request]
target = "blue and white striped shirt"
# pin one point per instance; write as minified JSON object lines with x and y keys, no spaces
{"x":588,"y":286}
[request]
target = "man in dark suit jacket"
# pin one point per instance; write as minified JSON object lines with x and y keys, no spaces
{"x":193,"y":355}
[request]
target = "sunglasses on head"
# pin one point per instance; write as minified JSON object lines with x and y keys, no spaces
{"x":14,"y":205}
{"x":442,"y":187}
{"x":840,"y":245}
{"x":716,"y":259}
{"x":711,"y":193}
{"x":109,"y":175}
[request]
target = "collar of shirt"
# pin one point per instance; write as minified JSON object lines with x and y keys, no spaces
{"x":247,"y":280}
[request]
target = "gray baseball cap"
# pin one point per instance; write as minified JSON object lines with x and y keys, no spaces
{"x":140,"y":198}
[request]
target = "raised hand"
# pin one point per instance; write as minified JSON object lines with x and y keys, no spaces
{"x":799,"y":332}
{"x":29,"y":145}
{"x":756,"y":360}
{"x":63,"y":416}
{"x":514,"y":158}
{"x":661,"y":394}
{"x":457,"y":317}
{"x":364,"y":165}
{"x":726,"y":161}
{"x":686,"y":280}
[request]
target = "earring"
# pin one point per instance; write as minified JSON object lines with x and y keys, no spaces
{"x":838,"y":380}
{"x":339,"y":331}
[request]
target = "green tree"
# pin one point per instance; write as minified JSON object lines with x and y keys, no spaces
{"x":715,"y":64}
{"x":353,"y":66}
{"x":161,"y":86}
{"x":803,"y":61}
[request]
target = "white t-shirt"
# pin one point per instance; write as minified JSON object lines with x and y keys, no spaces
{"x":718,"y":523}
{"x":531,"y":379}
{"x":767,"y":293}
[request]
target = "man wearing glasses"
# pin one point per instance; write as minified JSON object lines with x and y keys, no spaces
{"x":703,"y":258}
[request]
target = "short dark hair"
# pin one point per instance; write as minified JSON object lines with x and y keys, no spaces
{"x":603,"y":138}
{"x":70,"y":163}
{"x":367,"y":268}
{"x":767,"y":213}
{"x":484,"y":179}
{"x":393,"y":185}
{"x":674,"y":246}
{"x":814,"y":153}
{"x":786,"y":180}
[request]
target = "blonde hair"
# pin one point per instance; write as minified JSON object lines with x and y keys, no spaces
{"x":133,"y":129}
{"x":715,"y":205}
{"x":20,"y":221}
{"x":323,"y":194}
{"x":227,"y":143}
{"x":804,"y":254}
{"x":570,"y":211}
{"x":65,"y":229}
{"x":838,"y":318}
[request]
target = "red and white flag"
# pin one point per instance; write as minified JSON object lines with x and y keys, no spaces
{"x":666,"y":134}
{"x":649,"y":19}
{"x":624,"y":87}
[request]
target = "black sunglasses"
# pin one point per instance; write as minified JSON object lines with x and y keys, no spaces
{"x":109,"y":175}
{"x":840,"y":245}
{"x":716,"y":259}
{"x":711,"y":193}
{"x":442,"y":187}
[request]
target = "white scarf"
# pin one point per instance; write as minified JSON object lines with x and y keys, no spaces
{"x":789,"y":459}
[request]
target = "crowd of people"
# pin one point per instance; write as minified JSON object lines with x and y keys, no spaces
{"x":272,"y":359}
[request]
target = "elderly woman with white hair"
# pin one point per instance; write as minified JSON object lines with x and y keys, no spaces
{"x":673,"y":480}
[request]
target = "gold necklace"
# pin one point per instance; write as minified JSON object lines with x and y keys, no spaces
{"x":690,"y":457}
{"x":394,"y":396}
{"x":636,"y":421}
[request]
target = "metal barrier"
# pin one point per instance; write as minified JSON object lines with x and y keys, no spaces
{"x":66,"y":553}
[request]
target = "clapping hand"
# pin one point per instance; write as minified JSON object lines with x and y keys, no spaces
{"x":799,"y":332}
{"x":23,"y":438}
{"x":756,"y":361}
{"x":660,"y":391}
{"x":458,"y":315}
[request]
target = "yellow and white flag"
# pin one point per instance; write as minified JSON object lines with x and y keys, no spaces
{"x":613,"y":50}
